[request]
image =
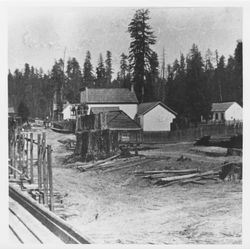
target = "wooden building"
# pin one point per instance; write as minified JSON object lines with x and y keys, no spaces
{"x":122,"y":98}
{"x":155,"y":116}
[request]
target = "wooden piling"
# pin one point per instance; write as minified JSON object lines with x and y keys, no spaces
{"x":49,"y":161}
{"x":31,"y":158}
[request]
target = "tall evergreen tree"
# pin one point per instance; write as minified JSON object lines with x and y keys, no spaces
{"x":108,"y":68}
{"x":198,"y":99}
{"x":140,"y":52}
{"x":88,"y":76}
{"x":100,"y":73}
{"x":73,"y":82}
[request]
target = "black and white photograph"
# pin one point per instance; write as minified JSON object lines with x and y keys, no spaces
{"x":125,"y":125}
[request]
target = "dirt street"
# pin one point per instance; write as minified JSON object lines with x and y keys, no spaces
{"x":119,"y":207}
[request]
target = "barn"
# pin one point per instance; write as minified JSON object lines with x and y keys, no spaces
{"x":120,"y":98}
{"x":155,"y":116}
{"x":226,"y":111}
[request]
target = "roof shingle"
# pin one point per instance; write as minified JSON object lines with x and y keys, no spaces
{"x":145,"y":107}
{"x":108,"y":95}
{"x":221,"y":107}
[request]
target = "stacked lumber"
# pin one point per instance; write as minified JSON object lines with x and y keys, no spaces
{"x":183,"y":176}
{"x":111,"y":164}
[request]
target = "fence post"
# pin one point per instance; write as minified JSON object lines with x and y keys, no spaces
{"x":14,"y":154}
{"x":27,"y":154}
{"x":23,"y":151}
{"x":44,"y":177}
{"x":49,"y":160}
{"x":31,"y":158}
{"x":39,"y":161}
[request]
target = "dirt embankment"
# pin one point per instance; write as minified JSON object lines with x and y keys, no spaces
{"x":119,"y":207}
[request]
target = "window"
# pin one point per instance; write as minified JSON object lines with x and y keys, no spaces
{"x":222,"y":116}
{"x":216,"y":116}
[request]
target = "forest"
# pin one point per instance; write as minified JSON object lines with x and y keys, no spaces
{"x":189,"y":85}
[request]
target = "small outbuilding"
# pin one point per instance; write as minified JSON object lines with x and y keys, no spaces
{"x":226,"y":111}
{"x":69,"y":111}
{"x":155,"y":116}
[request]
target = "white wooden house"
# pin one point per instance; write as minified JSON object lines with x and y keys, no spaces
{"x":121,"y":98}
{"x":226,"y":111}
{"x":69,"y":111}
{"x":155,"y":116}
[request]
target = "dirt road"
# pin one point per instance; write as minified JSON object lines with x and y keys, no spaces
{"x":118,"y":207}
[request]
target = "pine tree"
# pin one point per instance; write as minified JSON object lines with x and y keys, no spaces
{"x":140,"y":52}
{"x":100,"y":73}
{"x":198,"y":99}
{"x":73,"y":82}
{"x":88,"y":77}
{"x":108,"y":68}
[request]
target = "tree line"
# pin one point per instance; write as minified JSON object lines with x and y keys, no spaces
{"x":189,"y":85}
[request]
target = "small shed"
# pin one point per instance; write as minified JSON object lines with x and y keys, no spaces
{"x":155,"y":116}
{"x":226,"y":111}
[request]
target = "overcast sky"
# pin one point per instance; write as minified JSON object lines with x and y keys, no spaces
{"x":38,"y":36}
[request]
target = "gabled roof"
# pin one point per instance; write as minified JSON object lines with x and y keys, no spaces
{"x":221,"y":107}
{"x":119,"y":120}
{"x":108,"y":95}
{"x":146,"y":107}
{"x":96,"y":110}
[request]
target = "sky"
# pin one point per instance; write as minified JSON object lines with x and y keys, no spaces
{"x":39,"y":35}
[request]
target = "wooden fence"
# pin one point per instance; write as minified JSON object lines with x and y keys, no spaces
{"x":30,"y":160}
{"x":191,"y":134}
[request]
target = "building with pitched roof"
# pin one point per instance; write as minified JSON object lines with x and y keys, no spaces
{"x":155,"y":116}
{"x":226,"y":111}
{"x":121,"y":98}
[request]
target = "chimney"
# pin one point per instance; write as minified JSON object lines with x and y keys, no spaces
{"x":132,"y":88}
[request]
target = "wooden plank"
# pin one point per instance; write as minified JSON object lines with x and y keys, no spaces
{"x":44,"y":234}
{"x":21,"y":230}
{"x":31,"y":158}
{"x":130,"y":165}
{"x":169,"y":171}
{"x":173,"y":178}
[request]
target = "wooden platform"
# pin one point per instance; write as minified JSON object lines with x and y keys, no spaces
{"x":26,"y":229}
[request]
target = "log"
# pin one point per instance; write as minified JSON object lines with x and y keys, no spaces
{"x":129,"y":165}
{"x":168,"y":179}
{"x":169,"y":171}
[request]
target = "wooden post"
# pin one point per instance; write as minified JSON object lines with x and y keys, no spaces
{"x":27,"y":155}
{"x":49,"y":160}
{"x":31,"y":158}
{"x":19,"y":150}
{"x":44,"y":177}
{"x":23,"y":151}
{"x":39,"y":162}
{"x":14,"y":154}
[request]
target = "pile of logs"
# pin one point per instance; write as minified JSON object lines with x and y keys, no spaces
{"x":111,"y":164}
{"x":183,"y":176}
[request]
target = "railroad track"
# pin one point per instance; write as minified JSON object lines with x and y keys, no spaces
{"x":30,"y":222}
